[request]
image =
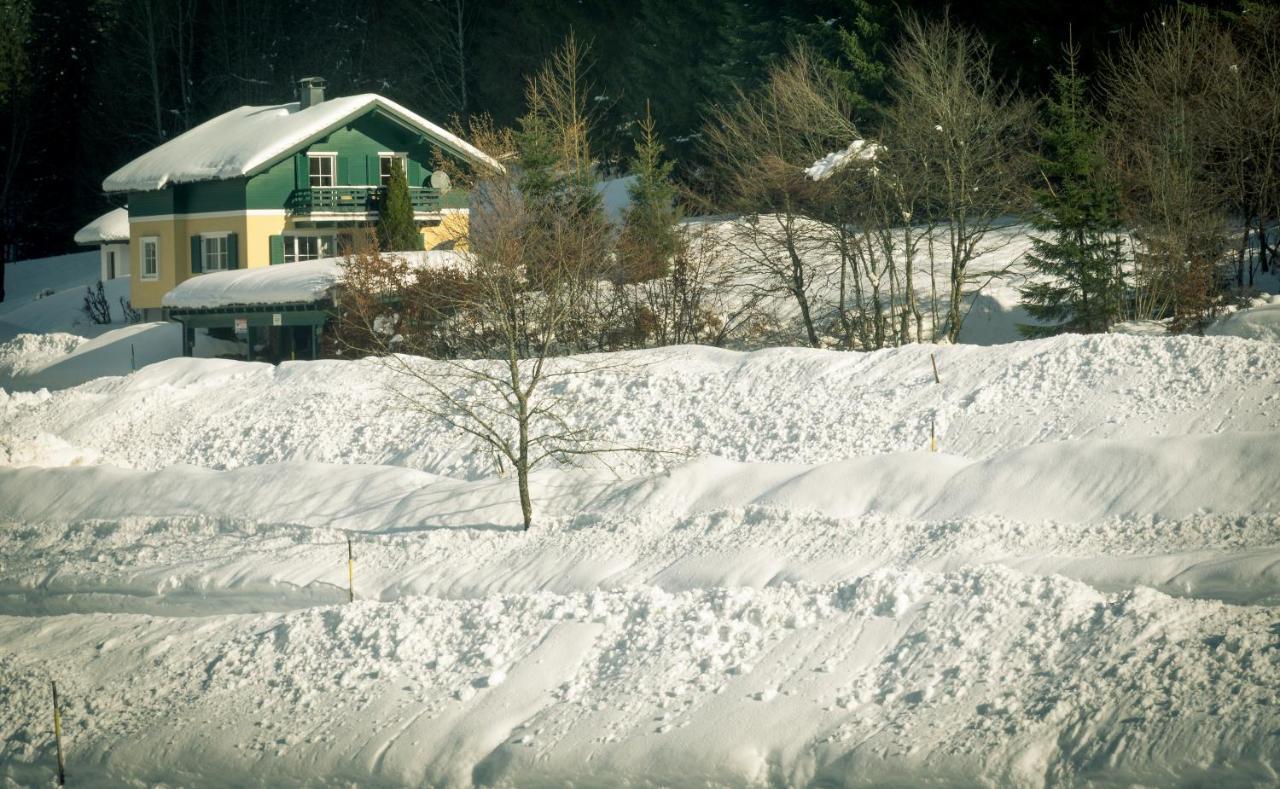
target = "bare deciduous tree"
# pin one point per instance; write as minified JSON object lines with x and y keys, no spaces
{"x":1161,"y":92}
{"x":966,"y":131}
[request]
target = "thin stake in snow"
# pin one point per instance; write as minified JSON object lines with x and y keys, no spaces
{"x":351,"y":573}
{"x":933,"y":440}
{"x":57,"y":734}
{"x":934,"y":359}
{"x":133,"y":359}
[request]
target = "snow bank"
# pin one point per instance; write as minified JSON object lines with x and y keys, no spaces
{"x":780,"y":405}
{"x":116,"y":352}
{"x":111,"y":226}
{"x":62,"y":311}
{"x":1261,"y":322}
{"x":247,"y":139}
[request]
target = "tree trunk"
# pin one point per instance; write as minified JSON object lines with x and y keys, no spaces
{"x":522,"y":466}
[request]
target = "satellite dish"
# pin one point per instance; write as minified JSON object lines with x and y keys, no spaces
{"x":440,"y":181}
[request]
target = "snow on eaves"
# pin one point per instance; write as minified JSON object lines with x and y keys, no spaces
{"x":111,"y":226}
{"x":858,"y":150}
{"x":243,"y":141}
{"x":290,"y":283}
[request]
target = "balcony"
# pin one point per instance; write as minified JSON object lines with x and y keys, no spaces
{"x":366,"y":199}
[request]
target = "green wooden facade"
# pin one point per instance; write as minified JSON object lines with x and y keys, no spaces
{"x":356,"y":146}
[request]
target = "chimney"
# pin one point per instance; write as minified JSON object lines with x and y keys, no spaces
{"x":310,"y":91}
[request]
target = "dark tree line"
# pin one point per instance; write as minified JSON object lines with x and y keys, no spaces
{"x":87,"y":84}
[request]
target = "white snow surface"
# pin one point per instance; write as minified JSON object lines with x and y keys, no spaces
{"x":244,"y":140}
{"x":1081,"y":587}
{"x":111,"y":226}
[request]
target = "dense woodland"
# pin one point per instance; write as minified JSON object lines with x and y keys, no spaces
{"x":87,"y":84}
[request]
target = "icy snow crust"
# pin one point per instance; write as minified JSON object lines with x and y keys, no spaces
{"x":1081,"y":587}
{"x":243,"y":141}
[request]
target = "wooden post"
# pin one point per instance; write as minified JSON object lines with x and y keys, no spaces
{"x":936,"y":379}
{"x":133,"y":359}
{"x":57,"y":734}
{"x":351,"y":573}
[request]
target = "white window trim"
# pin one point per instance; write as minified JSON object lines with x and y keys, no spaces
{"x":142,"y":258}
{"x":204,"y":251}
{"x":332,"y":156}
{"x":403,"y":156}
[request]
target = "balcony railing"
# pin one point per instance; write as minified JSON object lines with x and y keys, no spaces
{"x":367,"y":199}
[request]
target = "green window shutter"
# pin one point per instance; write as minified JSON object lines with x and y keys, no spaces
{"x":197,"y":255}
{"x":301,"y":173}
{"x":344,"y":177}
{"x":415,"y":173}
{"x":233,"y":251}
{"x":277,"y":249}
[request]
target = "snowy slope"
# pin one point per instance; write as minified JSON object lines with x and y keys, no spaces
{"x":1081,"y":587}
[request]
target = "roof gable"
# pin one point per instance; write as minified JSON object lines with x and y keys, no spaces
{"x":247,"y":140}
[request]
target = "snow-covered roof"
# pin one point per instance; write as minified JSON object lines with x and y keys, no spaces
{"x":110,"y":227}
{"x":289,"y":283}
{"x":245,"y":140}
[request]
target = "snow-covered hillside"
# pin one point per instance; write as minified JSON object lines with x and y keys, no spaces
{"x":1081,"y":586}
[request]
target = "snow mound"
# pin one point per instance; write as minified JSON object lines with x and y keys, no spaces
{"x":1260,"y":322}
{"x":117,"y":352}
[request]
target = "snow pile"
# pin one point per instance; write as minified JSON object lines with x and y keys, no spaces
{"x":27,"y":353}
{"x":858,"y":151}
{"x":1261,"y":321}
{"x":247,"y":139}
{"x":111,"y":226}
{"x":115,"y":352}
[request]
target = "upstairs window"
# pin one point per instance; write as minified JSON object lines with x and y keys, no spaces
{"x":388,"y":160}
{"x":149,"y":258}
{"x":321,"y":167}
{"x":215,"y":252}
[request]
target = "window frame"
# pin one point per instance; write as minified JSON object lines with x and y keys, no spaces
{"x":225,"y":254}
{"x":290,"y":241}
{"x":332,"y":157}
{"x":403,"y":156}
{"x":143,"y":243}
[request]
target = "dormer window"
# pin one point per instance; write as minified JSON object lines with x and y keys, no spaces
{"x":321,"y":168}
{"x":388,"y":160}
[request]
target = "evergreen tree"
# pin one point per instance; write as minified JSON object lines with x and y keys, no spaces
{"x":396,"y":231}
{"x":1078,"y":257}
{"x":649,"y":237}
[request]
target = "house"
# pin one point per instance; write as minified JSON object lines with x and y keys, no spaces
{"x":110,"y":233}
{"x":261,"y":186}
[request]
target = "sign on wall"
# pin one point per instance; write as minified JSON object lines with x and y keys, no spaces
{"x":242,"y":325}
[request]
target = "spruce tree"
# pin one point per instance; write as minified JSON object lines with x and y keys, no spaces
{"x":396,"y":231}
{"x":649,"y":236}
{"x":1080,"y":286}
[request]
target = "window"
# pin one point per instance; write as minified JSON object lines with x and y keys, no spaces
{"x":149,"y":260}
{"x":215,"y":252}
{"x":299,"y":248}
{"x":385,"y":161}
{"x":322,"y":167}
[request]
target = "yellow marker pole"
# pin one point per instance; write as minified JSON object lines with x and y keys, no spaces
{"x":57,"y":734}
{"x":933,"y":438}
{"x":351,"y":573}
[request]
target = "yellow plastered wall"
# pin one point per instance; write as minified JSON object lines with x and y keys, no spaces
{"x":452,"y":229}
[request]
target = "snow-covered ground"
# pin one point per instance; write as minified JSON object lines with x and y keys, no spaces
{"x":1080,"y":586}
